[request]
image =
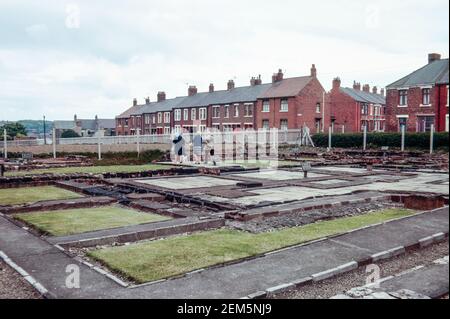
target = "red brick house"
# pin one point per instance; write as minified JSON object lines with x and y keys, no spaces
{"x":420,"y":99}
{"x":284,"y":104}
{"x":352,"y":108}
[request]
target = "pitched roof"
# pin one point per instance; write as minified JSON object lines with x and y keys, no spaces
{"x":435,"y":72}
{"x":129,"y":112}
{"x":64,"y":125}
{"x":287,"y":88}
{"x":107,"y":123}
{"x":364,"y":97}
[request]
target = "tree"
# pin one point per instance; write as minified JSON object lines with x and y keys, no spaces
{"x":13,"y":130}
{"x":69,"y":134}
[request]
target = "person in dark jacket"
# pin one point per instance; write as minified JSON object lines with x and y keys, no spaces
{"x":179,"y":143}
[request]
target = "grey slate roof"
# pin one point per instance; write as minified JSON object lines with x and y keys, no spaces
{"x":107,"y":123}
{"x":364,"y":97}
{"x":435,"y":72}
{"x":63,"y":125}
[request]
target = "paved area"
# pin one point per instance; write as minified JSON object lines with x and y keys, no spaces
{"x":187,"y":182}
{"x":48,"y":265}
{"x":278,"y":175}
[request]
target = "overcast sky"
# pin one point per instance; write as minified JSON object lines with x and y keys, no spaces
{"x":93,"y":57}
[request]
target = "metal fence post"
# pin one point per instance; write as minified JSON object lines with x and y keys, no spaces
{"x":99,"y":148}
{"x":5,"y":144}
{"x":432,"y":139}
{"x":329,"y":138}
{"x":54,"y":143}
{"x":403,"y":137}
{"x":138,"y":145}
{"x":365,"y":138}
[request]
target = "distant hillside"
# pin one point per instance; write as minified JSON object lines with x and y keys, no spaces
{"x":34,"y":126}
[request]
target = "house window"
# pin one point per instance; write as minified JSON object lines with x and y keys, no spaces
{"x":424,"y":123}
{"x":147,"y":119}
{"x":203,"y":114}
{"x":153,"y":119}
{"x":167,"y":117}
{"x":167,"y":130}
{"x":186,"y":115}
{"x":177,"y":128}
{"x":403,"y":95}
{"x":284,"y":125}
{"x":236,"y":110}
{"x":265,"y":124}
{"x":426,"y":96}
{"x":318,"y":108}
{"x":227,"y":111}
{"x":216,"y":112}
{"x":249,"y":110}
{"x":177,"y":115}
{"x":193,"y":114}
{"x":266,"y":107}
{"x":365,"y":109}
{"x":284,"y":106}
{"x":159,"y":117}
{"x":318,"y":125}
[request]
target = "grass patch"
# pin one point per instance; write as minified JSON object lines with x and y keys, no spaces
{"x":25,"y":195}
{"x":75,"y":221}
{"x":155,"y":260}
{"x":92,"y":169}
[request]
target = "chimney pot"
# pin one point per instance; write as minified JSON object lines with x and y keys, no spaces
{"x":253,"y":81}
{"x":161,"y":96}
{"x":357,"y":86}
{"x":277,"y":77}
{"x":366,"y":88}
{"x":375,"y":90}
{"x":230,"y":85}
{"x":147,"y":100}
{"x":192,"y":90}
{"x":258,"y":80}
{"x":382,"y":92}
{"x":313,"y":71}
{"x":336,"y":83}
{"x":432,"y":57}
{"x":211,"y":88}
{"x":135,"y":102}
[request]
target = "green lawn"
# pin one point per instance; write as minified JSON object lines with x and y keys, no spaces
{"x":92,"y":169}
{"x":25,"y":195}
{"x":75,"y":221}
{"x":149,"y":261}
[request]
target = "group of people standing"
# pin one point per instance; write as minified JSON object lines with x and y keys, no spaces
{"x":202,"y":146}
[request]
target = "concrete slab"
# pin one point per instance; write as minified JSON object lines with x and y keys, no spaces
{"x":277,"y":175}
{"x":187,"y":182}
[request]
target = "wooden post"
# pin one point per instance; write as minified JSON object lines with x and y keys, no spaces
{"x":138,"y":145}
{"x":99,"y":148}
{"x":330,"y":132}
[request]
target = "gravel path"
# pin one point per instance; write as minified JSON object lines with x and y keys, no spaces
{"x":357,"y":278}
{"x":309,"y":217}
{"x":13,"y":286}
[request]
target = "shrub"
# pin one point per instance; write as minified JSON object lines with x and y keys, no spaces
{"x":376,"y":140}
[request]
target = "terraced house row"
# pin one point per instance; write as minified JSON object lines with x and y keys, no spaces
{"x":416,"y":101}
{"x":290,"y":103}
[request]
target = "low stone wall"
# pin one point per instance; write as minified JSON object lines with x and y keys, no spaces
{"x":48,"y":149}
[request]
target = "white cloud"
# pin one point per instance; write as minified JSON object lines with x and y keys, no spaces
{"x":123,"y":50}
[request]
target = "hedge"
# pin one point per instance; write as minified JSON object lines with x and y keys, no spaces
{"x":377,"y":140}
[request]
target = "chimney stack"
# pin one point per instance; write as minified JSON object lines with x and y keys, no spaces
{"x":75,"y":119}
{"x":277,"y":77}
{"x":258,"y":80}
{"x":147,"y":100}
{"x":432,"y":57}
{"x":375,"y":90}
{"x":366,"y":88}
{"x":161,"y":96}
{"x":336,"y":83}
{"x":211,"y":88}
{"x":382,"y":92}
{"x":230,"y":85}
{"x":313,"y":71}
{"x":192,"y":90}
{"x":135,"y":102}
{"x":356,"y":86}
{"x":253,"y":81}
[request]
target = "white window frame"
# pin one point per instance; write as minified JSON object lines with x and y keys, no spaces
{"x":203,"y":114}
{"x":167,"y":117}
{"x":248,"y":107}
{"x":400,"y":98}
{"x":284,"y":106}
{"x":193,"y":114}
{"x":422,"y":104}
{"x":216,"y":109}
{"x":266,"y":107}
{"x":318,"y":108}
{"x":226,"y":111}
{"x":177,"y":115}
{"x":287,"y":125}
{"x":160,"y":117}
{"x":186,"y":114}
{"x":236,"y":110}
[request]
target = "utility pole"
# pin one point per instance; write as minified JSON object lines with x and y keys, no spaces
{"x":5,"y":147}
